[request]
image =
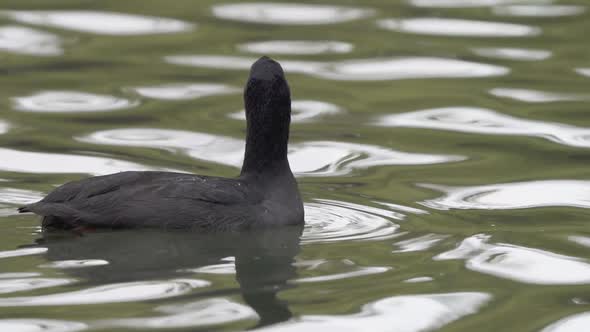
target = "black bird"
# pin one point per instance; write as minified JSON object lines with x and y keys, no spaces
{"x":264,"y":195}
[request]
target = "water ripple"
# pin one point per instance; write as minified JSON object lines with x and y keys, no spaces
{"x":4,"y":126}
{"x":296,"y":47}
{"x":516,"y":195}
{"x":329,"y":221}
{"x":408,"y":313}
{"x":222,"y":268}
{"x":306,"y":159}
{"x":22,"y":252}
{"x":9,"y":197}
{"x":581,"y":240}
{"x":98,"y":22}
{"x":27,"y":284}
{"x":407,"y":68}
{"x":527,"y":265}
{"x":184,"y":91}
{"x":485,"y":121}
{"x":458,"y":27}
{"x":539,"y":11}
{"x":289,"y":13}
{"x":419,"y":279}
{"x":401,"y":208}
{"x":74,"y":264}
{"x":213,"y":61}
{"x":583,"y":71}
{"x":419,"y":243}
{"x":573,"y":323}
{"x":466,"y":3}
{"x":353,"y":270}
{"x":122,"y":292}
{"x":18,"y":275}
{"x":40,"y":325}
{"x":207,"y":312}
{"x":361,"y":271}
{"x":522,"y":54}
{"x":214,"y":148}
{"x":55,"y":163}
{"x":378,"y":69}
{"x":70,"y":101}
{"x":536,"y":96}
{"x":302,"y":111}
{"x":19,"y":196}
{"x":29,"y":41}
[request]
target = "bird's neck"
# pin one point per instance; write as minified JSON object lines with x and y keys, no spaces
{"x":266,"y":148}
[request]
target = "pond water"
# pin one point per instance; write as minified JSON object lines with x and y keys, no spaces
{"x":441,"y":146}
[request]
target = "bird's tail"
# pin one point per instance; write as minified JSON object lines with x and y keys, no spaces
{"x":24,"y":209}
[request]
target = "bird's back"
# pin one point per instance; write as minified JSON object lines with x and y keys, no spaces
{"x":151,"y":199}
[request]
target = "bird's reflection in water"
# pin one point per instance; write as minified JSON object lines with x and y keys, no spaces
{"x":263,"y":260}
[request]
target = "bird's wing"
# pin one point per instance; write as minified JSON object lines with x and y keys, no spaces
{"x":212,"y":190}
{"x":93,"y":195}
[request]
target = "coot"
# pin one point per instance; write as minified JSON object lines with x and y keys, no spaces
{"x":264,"y":195}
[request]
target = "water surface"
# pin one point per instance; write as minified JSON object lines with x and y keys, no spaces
{"x":441,"y":147}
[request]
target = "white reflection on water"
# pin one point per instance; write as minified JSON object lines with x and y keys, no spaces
{"x":352,"y":270}
{"x":330,"y":220}
{"x":408,"y":313}
{"x":468,"y":3}
{"x":573,"y":323}
{"x":302,"y":110}
{"x":9,"y":197}
{"x":214,"y":148}
{"x":527,"y":265}
{"x":377,"y":69}
{"x":22,"y":252}
{"x":339,"y":158}
{"x":113,"y":293}
{"x":306,"y":159}
{"x":539,"y":11}
{"x":485,"y":121}
{"x":419,"y":279}
{"x":406,"y":68}
{"x":3,"y":127}
{"x":27,"y":284}
{"x":419,"y":243}
{"x":228,"y":267}
{"x":516,"y":195}
{"x":401,"y":208}
{"x":583,"y":71}
{"x":40,"y":325}
{"x":70,"y":101}
{"x":56,"y":163}
{"x":207,"y":312}
{"x":240,"y":63}
{"x":74,"y":264}
{"x":184,"y":91}
{"x":581,"y":240}
{"x":359,"y":272}
{"x":523,"y":54}
{"x":223,"y":268}
{"x":457,"y":27}
{"x":213,"y":61}
{"x":301,"y":47}
{"x":15,"y":275}
{"x":98,"y":22}
{"x":289,"y":13}
{"x":19,"y":196}
{"x":29,"y":41}
{"x":536,"y":96}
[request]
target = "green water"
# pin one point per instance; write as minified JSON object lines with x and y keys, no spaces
{"x":443,"y":164}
